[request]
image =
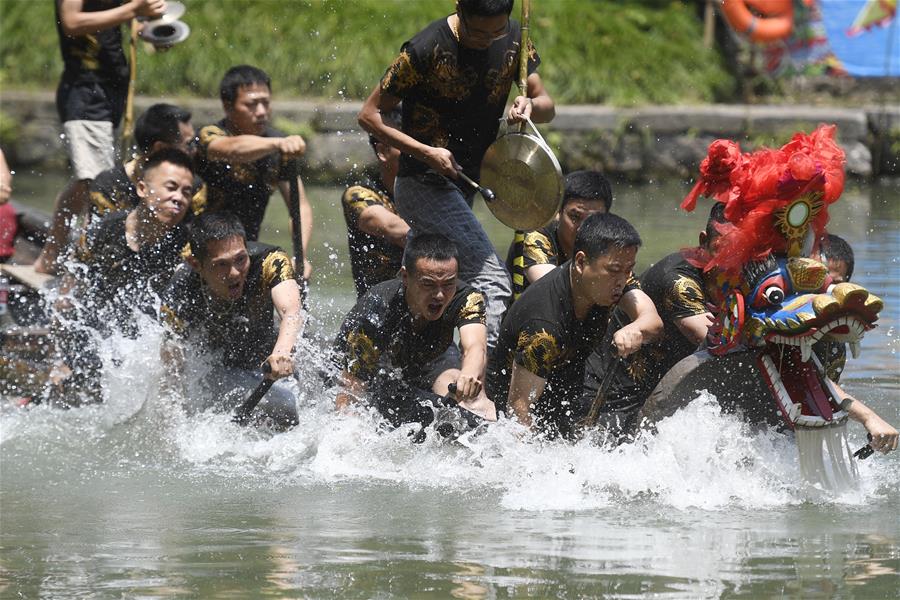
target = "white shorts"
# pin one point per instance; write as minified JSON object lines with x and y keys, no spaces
{"x":91,"y":146}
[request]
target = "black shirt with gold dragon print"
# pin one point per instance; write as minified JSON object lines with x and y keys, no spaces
{"x":243,"y":330}
{"x":677,"y":290}
{"x":377,"y":338}
{"x":242,"y":188}
{"x":453,"y":96}
{"x":373,"y":259}
{"x":532,"y":248}
{"x":115,"y":279}
{"x":541,"y":334}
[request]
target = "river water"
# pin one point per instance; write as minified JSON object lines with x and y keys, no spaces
{"x":134,"y":499}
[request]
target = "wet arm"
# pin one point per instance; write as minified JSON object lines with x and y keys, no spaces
{"x":244,"y":148}
{"x":884,"y":436}
{"x":695,"y":327}
{"x":171,"y":354}
{"x":5,"y":180}
{"x":380,"y":222}
{"x":286,"y":298}
{"x":645,"y":323}
{"x":535,"y":272}
{"x":351,"y":392}
{"x":77,"y":22}
{"x":524,"y":389}
{"x":473,"y":345}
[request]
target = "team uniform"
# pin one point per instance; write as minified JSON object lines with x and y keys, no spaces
{"x":378,"y":345}
{"x":243,"y":189}
{"x":541,"y":334}
{"x":373,"y":259}
{"x":454,"y":97}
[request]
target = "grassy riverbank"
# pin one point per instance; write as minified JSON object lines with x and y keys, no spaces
{"x":620,"y":53}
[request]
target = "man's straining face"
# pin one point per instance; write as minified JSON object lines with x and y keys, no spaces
{"x":251,"y":110}
{"x":430,"y":288}
{"x":603,"y":279}
{"x":165,"y":190}
{"x":225,"y":268}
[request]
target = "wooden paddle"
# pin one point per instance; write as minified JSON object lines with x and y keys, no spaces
{"x":611,"y":368}
{"x":297,"y":235}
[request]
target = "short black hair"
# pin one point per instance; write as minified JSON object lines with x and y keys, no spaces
{"x":835,"y":247}
{"x":237,"y":77}
{"x":432,"y":246}
{"x":716,"y":216}
{"x":602,"y":231}
{"x":159,"y":123}
{"x":211,"y":227}
{"x":169,"y":155}
{"x":485,"y":8}
{"x":393,"y":118}
{"x":587,"y":185}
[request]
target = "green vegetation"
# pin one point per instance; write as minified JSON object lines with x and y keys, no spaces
{"x":594,"y":51}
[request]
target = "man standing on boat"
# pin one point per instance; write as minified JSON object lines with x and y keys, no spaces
{"x":536,"y":371}
{"x":224,"y":305}
{"x":90,"y":99}
{"x":453,"y":78}
{"x":242,"y":158}
{"x":395,"y":349}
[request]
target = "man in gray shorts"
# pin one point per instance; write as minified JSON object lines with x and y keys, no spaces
{"x":90,"y":99}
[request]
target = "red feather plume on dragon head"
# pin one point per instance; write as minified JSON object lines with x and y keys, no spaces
{"x":776,"y":201}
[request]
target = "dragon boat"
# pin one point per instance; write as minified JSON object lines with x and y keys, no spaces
{"x":773,"y":304}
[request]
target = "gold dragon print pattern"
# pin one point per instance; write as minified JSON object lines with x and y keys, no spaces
{"x":446,"y":78}
{"x":685,"y":294}
{"x":537,"y":249}
{"x":362,"y":355}
{"x":473,"y":310}
{"x":276,"y":268}
{"x":539,"y":352}
{"x":401,"y":75}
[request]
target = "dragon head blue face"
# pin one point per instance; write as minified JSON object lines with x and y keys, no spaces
{"x":782,"y":307}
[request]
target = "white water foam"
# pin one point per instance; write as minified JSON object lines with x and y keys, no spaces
{"x":700,"y":458}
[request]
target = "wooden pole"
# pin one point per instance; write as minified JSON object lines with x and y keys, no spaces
{"x":709,"y":24}
{"x":128,"y":124}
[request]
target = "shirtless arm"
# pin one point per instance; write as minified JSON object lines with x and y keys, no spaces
{"x":249,"y":148}
{"x":645,"y":323}
{"x":524,"y":389}
{"x":76,"y":22}
{"x":306,"y":219}
{"x":380,"y":222}
{"x":5,"y":180}
{"x":286,"y":298}
{"x":370,"y":119}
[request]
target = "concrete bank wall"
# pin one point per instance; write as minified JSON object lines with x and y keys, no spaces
{"x":639,"y":144}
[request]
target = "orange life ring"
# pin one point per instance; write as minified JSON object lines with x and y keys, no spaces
{"x":776,"y":22}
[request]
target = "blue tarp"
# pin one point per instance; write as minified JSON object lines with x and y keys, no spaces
{"x":873,"y":52}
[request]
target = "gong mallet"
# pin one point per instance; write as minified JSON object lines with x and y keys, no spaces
{"x":486,"y":193}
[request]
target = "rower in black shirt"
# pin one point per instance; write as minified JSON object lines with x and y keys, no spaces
{"x":533,"y":254}
{"x":396,"y":345}
{"x":536,"y":371}
{"x":223,"y":307}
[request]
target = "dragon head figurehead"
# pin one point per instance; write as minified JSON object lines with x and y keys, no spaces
{"x":770,"y":298}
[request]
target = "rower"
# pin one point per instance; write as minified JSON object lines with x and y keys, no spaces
{"x":242,"y":158}
{"x":223,"y":307}
{"x":395,"y":348}
{"x":533,"y":254}
{"x":376,"y":234}
{"x":535,"y":373}
{"x":160,"y":126}
{"x":120,"y":266}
